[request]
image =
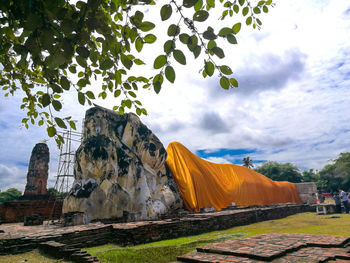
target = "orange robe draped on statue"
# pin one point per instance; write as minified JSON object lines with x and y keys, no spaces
{"x":206,"y":184}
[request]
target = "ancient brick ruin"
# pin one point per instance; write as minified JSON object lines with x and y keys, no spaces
{"x":35,"y":200}
{"x":38,"y":171}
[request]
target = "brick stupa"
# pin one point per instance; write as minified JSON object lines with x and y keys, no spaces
{"x":37,"y":172}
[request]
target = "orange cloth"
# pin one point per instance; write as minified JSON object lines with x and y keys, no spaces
{"x":205,"y":184}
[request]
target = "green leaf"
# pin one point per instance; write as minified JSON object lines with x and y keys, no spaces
{"x":256,"y":10}
{"x":138,"y":61}
{"x":138,"y":17}
{"x":157,"y":82}
{"x":169,"y":46}
{"x":265,"y":9}
{"x":126,"y":86}
{"x":93,"y":56}
{"x":211,"y":3}
{"x":234,"y":82}
{"x":81,"y":61}
{"x":147,"y":26}
{"x":72,"y":69}
{"x":159,"y":62}
{"x":60,"y":123}
{"x":56,"y":60}
{"x":226,"y":70}
{"x":138,"y":44}
{"x":83,"y":51}
{"x":193,"y":41}
{"x":56,"y":105}
{"x":189,"y":3}
{"x":128,"y":103}
{"x":236,"y":28}
{"x":125,"y":61}
{"x":170,"y":74}
{"x":82,"y":83}
{"x":198,"y":5}
{"x":211,"y":44}
{"x":51,"y":131}
{"x":224,"y":82}
{"x":225,"y":31}
{"x":117,"y":93}
{"x":236,"y":9}
{"x":200,"y":16}
{"x":261,"y":3}
{"x":173,"y":30}
{"x":150,"y":38}
{"x":209,"y":34}
{"x":65,"y":83}
{"x":248,"y":20}
{"x":209,"y":68}
{"x":184,"y":38}
{"x":245,"y":11}
{"x":132,"y":94}
{"x":45,"y":100}
{"x":121,"y":110}
{"x":90,"y":95}
{"x":179,"y":56}
{"x":231,"y":39}
{"x":106,"y":64}
{"x":56,"y":88}
{"x":165,"y":12}
{"x":81,"y":98}
{"x":241,"y":2}
{"x":197,"y":51}
{"x":72,"y":125}
{"x":218,"y":51}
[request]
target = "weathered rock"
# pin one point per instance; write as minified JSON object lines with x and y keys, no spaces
{"x":38,"y":171}
{"x":120,"y":171}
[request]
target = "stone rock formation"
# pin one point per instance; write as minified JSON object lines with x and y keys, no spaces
{"x":38,"y":171}
{"x":120,"y":171}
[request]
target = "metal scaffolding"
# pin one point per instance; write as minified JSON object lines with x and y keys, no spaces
{"x":65,"y":173}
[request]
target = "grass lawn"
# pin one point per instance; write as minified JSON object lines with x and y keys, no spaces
{"x":167,"y":250}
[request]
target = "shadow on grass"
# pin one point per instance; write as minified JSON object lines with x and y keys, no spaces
{"x":156,"y":254}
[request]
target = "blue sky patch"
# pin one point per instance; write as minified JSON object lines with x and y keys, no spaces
{"x":223,"y":152}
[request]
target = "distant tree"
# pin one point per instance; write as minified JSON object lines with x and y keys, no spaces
{"x":280,"y":171}
{"x":336,"y":175}
{"x":53,"y":192}
{"x":10,"y":195}
{"x":49,"y":48}
{"x":247,"y":162}
{"x":310,"y":176}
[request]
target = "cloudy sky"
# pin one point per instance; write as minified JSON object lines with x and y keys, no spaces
{"x":292,"y":104}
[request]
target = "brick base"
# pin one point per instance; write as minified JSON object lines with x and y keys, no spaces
{"x":15,"y":211}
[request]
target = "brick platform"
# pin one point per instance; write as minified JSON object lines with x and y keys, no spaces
{"x":275,"y":247}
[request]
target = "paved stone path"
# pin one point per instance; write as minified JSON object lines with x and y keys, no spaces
{"x":275,"y":247}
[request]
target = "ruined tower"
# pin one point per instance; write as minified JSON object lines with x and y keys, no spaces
{"x":38,"y":171}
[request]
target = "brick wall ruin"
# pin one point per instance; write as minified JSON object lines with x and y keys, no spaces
{"x":15,"y":211}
